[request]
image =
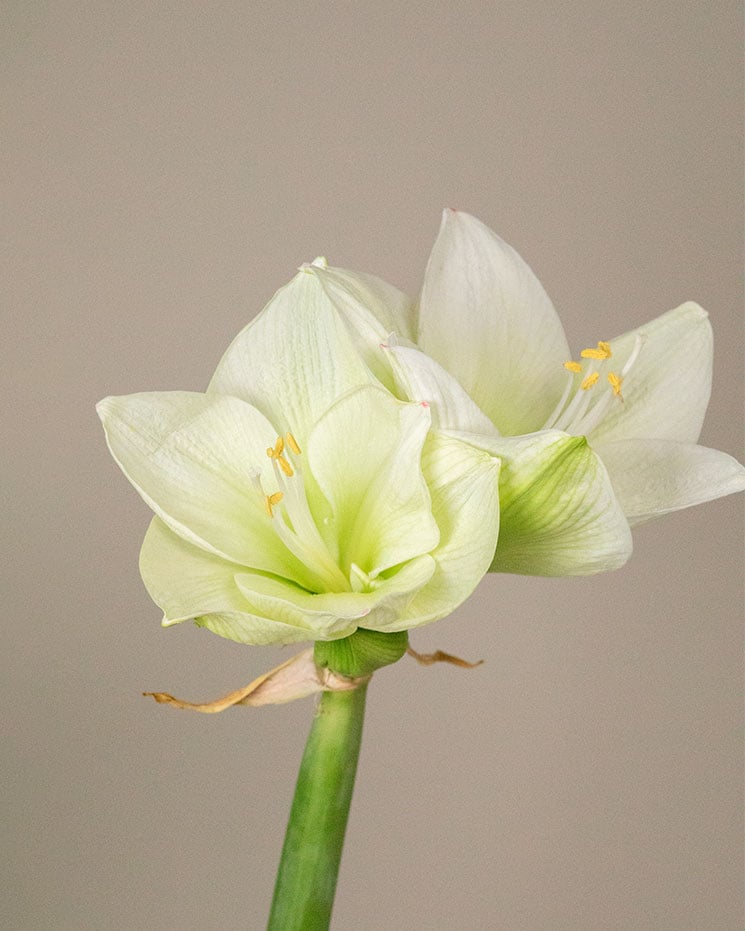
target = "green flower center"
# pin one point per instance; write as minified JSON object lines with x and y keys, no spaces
{"x":293,"y":520}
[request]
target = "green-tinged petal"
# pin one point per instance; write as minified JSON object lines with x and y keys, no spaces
{"x":485,"y":317}
{"x":195,"y":458}
{"x":654,"y":477}
{"x":335,"y":615}
{"x":373,"y":309}
{"x":295,"y":359}
{"x":463,"y":481}
{"x":364,"y":310}
{"x":365,"y":455}
{"x":186,"y":582}
{"x":419,"y":378}
{"x":253,"y":630}
{"x":667,"y":389}
{"x":559,"y":514}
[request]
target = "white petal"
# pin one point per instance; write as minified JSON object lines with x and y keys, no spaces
{"x":464,"y":483}
{"x":365,"y":455}
{"x":559,"y":514}
{"x":485,"y":317}
{"x":372,"y":310}
{"x":295,"y":359}
{"x":186,"y":582}
{"x":194,"y":459}
{"x":654,"y":477}
{"x":350,"y":291}
{"x":667,"y":390}
{"x":419,"y":378}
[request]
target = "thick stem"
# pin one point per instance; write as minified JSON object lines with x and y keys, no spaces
{"x":306,"y":881}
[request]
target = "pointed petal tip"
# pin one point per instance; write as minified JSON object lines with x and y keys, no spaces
{"x":109,"y":410}
{"x":452,"y":216}
{"x":104,"y":406}
{"x":696,"y":310}
{"x":318,"y":262}
{"x":111,"y":406}
{"x":455,"y":215}
{"x":691,"y":309}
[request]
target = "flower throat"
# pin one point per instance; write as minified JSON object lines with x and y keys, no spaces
{"x":580,"y":409}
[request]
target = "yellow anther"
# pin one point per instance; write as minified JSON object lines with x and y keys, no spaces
{"x":274,"y":452}
{"x":575,"y":367}
{"x":292,"y":443}
{"x":602,"y":351}
{"x":271,"y":500}
{"x":615,"y":382}
{"x":285,"y":466}
{"x":589,"y":381}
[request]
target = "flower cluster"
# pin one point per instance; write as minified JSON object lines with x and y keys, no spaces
{"x":361,"y":460}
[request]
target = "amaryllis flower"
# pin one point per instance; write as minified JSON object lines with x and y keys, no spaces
{"x":590,"y":443}
{"x":298,"y":499}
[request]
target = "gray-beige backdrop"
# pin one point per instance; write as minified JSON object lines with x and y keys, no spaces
{"x":166,"y":166}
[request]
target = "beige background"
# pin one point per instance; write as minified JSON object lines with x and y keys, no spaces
{"x":166,"y":166}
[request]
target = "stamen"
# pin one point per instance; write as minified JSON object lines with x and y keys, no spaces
{"x":591,"y":380}
{"x":255,"y":477}
{"x":593,"y":416}
{"x":615,"y":382}
{"x":285,"y":466}
{"x":271,"y":500}
{"x":638,"y":343}
{"x":603,"y":351}
{"x":360,"y":580}
{"x":274,"y":452}
{"x":574,"y":410}
{"x":295,"y":524}
{"x":579,"y":411}
{"x":551,"y":422}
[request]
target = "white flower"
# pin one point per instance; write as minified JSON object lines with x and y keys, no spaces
{"x":589,"y":446}
{"x":298,"y":499}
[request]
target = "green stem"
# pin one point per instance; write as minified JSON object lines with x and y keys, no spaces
{"x":306,"y":881}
